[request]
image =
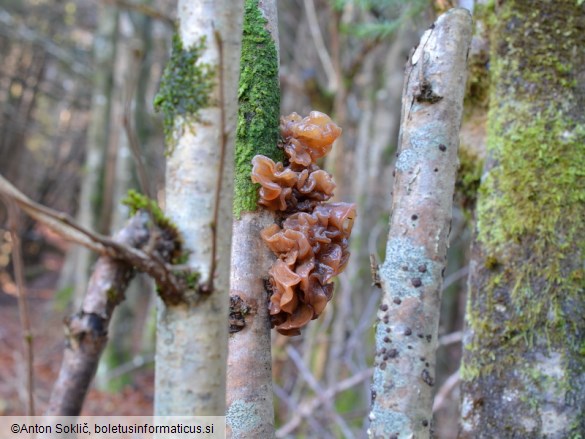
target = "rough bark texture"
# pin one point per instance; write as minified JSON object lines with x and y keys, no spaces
{"x":411,"y":276}
{"x":192,"y":337}
{"x":250,"y":412}
{"x":87,"y":331}
{"x":523,"y":371}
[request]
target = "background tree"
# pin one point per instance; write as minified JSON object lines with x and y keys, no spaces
{"x":522,"y":369}
{"x":77,"y":267}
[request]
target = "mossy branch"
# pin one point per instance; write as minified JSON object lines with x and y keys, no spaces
{"x":259,"y":99}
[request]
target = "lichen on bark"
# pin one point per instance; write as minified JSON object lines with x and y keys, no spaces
{"x":259,"y":99}
{"x":185,"y":87}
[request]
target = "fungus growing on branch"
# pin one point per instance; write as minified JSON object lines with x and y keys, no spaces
{"x":312,"y":244}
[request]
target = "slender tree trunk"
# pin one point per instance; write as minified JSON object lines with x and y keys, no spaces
{"x":76,"y":271}
{"x":191,"y":346}
{"x":250,"y":412}
{"x":119,"y":349}
{"x":522,"y":371}
{"x":411,"y":277}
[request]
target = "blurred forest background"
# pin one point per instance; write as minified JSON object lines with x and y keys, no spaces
{"x":77,"y":82}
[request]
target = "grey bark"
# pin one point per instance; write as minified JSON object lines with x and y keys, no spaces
{"x":411,"y":276}
{"x":87,"y":330}
{"x":191,"y":347}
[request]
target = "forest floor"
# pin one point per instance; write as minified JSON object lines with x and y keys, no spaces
{"x":49,"y":342}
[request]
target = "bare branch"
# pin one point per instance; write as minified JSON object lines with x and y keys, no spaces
{"x":445,"y":390}
{"x":143,"y":9}
{"x":172,"y":286}
{"x":307,"y":409}
{"x":87,"y":330}
{"x":312,"y":382}
{"x":131,"y":83}
{"x":324,"y":56}
{"x":452,"y":338}
{"x":412,"y":274}
{"x":18,"y":265}
{"x":11,"y":28}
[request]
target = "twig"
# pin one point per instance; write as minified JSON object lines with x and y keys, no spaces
{"x":452,"y":338}
{"x":10,"y":27}
{"x":307,"y":409}
{"x":87,"y":330}
{"x":312,"y":382}
{"x":172,"y":286}
{"x":136,"y":363}
{"x":293,"y":406}
{"x":320,"y":45}
{"x":454,"y":277}
{"x":18,"y":265}
{"x":131,"y":134}
{"x":143,"y":9}
{"x":358,"y":62}
{"x":445,"y":390}
{"x":218,"y":185}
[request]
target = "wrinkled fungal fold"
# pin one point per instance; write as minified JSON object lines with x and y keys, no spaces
{"x":311,"y":245}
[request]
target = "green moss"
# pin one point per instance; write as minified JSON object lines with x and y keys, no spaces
{"x":185,"y":88}
{"x":468,"y":179}
{"x":136,"y":201}
{"x":478,"y":75}
{"x":539,"y":179}
{"x":259,"y":99}
{"x":191,"y":279}
{"x":112,"y":295}
{"x":531,"y":203}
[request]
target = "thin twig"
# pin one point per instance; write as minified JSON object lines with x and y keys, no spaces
{"x":452,"y":338}
{"x":223,"y":143}
{"x":143,"y":9}
{"x":18,"y":265}
{"x":307,"y":409}
{"x":312,"y":382}
{"x":292,"y":406}
{"x":454,"y":277}
{"x":132,"y":81}
{"x":136,"y":363}
{"x":320,"y":45}
{"x":445,"y":390}
{"x":358,"y":62}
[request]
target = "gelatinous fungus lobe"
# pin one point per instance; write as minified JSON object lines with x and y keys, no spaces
{"x":312,"y":244}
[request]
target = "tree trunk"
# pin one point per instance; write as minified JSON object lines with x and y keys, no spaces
{"x":522,"y":368}
{"x":76,"y":270}
{"x":411,"y":277}
{"x":120,"y":348}
{"x":250,"y":411}
{"x":198,"y":95}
